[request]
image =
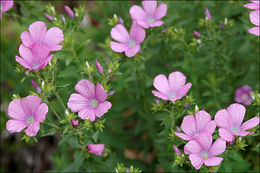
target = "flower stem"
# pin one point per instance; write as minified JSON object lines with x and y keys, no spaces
{"x":58,"y":97}
{"x":55,"y":113}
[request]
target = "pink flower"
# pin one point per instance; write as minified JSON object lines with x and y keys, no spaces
{"x":69,"y":11}
{"x":89,"y":103}
{"x":99,"y":67}
{"x":5,"y":5}
{"x":177,"y":151}
{"x":36,"y":86}
{"x":172,"y":89}
{"x":26,"y":112}
{"x":150,"y":15}
{"x":207,"y":14}
{"x":243,"y":95}
{"x":37,"y":44}
{"x":49,"y":17}
{"x":130,"y":44}
{"x":254,"y":18}
{"x":197,"y":34}
{"x":202,"y":151}
{"x":96,"y":148}
{"x":193,"y":126}
{"x":254,"y":5}
{"x":229,"y":120}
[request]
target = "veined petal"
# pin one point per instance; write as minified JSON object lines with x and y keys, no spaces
{"x":237,"y":113}
{"x":254,"y":17}
{"x":149,"y":7}
{"x":183,"y":136}
{"x":33,"y":129}
{"x":15,"y":110}
{"x":202,"y":119}
{"x":41,"y":112}
{"x":87,"y":114}
{"x":26,"y":54}
{"x":226,"y":134}
{"x":137,"y":33}
{"x":130,"y":52}
{"x":15,"y":125}
{"x":37,"y":31}
{"x":176,"y":80}
{"x":160,"y":95}
{"x":101,"y":94}
{"x":23,"y":62}
{"x":119,"y":33}
{"x":77,"y":102}
{"x":53,"y":37}
{"x":137,"y":13}
{"x":161,"y":83}
{"x":255,"y":31}
{"x":252,"y":6}
{"x":196,"y":161}
{"x":192,"y":147}
{"x":205,"y":140}
{"x":118,"y":47}
{"x":213,"y":161}
{"x":102,"y":108}
{"x":160,"y":11}
{"x":27,"y":39}
{"x":222,"y":118}
{"x":188,"y":125}
{"x":86,"y":88}
{"x":249,"y":124}
{"x":218,"y":147}
{"x":156,"y":23}
{"x":210,"y":127}
{"x":30,"y":104}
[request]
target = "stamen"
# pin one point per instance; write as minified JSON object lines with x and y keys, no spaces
{"x":93,"y":103}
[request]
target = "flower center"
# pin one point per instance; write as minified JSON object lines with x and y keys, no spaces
{"x":131,"y":43}
{"x":150,"y":19}
{"x":195,"y":135}
{"x":172,"y":95}
{"x":93,"y":103}
{"x":30,"y":120}
{"x":235,"y":129}
{"x":204,"y":154}
{"x":245,"y":97}
{"x":35,"y":65}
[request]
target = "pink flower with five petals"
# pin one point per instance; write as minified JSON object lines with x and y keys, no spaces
{"x":230,"y":122}
{"x":96,"y":148}
{"x":172,"y":89}
{"x":151,"y":14}
{"x":202,"y":151}
{"x":193,"y":126}
{"x":26,"y":112}
{"x":128,"y":43}
{"x":90,"y":102}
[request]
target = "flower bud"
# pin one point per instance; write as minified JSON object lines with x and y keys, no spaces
{"x":36,"y":86}
{"x":177,"y":151}
{"x":49,"y":17}
{"x":87,"y":64}
{"x":178,"y":129}
{"x":99,"y":67}
{"x":165,"y":30}
{"x":197,"y":34}
{"x":63,"y":19}
{"x":120,"y":20}
{"x":69,"y":11}
{"x":111,"y":93}
{"x":186,"y":106}
{"x":96,"y":148}
{"x":208,"y":15}
{"x":75,"y":123}
{"x":156,"y":101}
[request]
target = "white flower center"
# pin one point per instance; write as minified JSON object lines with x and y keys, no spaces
{"x":204,"y":154}
{"x":131,"y":43}
{"x":171,"y":95}
{"x":235,"y":129}
{"x":30,"y":120}
{"x":93,"y":103}
{"x":150,"y":19}
{"x":245,"y":97}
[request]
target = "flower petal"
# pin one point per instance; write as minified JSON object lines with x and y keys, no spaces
{"x":188,"y":125}
{"x":255,"y":31}
{"x":118,"y":47}
{"x":23,"y":62}
{"x":192,"y":147}
{"x":87,"y":114}
{"x":132,"y":51}
{"x":26,"y":54}
{"x":156,"y":23}
{"x":53,"y":37}
{"x":77,"y":102}
{"x":243,"y":133}
{"x":183,"y":136}
{"x":226,"y":134}
{"x":254,"y":17}
{"x":210,"y":127}
{"x":137,"y":33}
{"x":86,"y":88}
{"x":160,"y":11}
{"x":218,"y":147}
{"x":37,"y":31}
{"x":176,"y":80}
{"x":202,"y":119}
{"x":213,"y":161}
{"x":119,"y":33}
{"x":252,"y":6}
{"x":137,"y":13}
{"x":33,"y":129}
{"x":30,"y":104}
{"x":196,"y":161}
{"x":161,"y":83}
{"x":102,"y":108}
{"x":101,"y":94}
{"x":237,"y":113}
{"x":15,"y":110}
{"x":160,"y":95}
{"x":249,"y":124}
{"x":222,"y":118}
{"x":149,"y":7}
{"x":27,"y":39}
{"x":41,"y":112}
{"x":15,"y":125}
{"x":205,"y":140}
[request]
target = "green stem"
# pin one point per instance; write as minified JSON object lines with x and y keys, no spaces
{"x":55,"y":113}
{"x":58,"y":97}
{"x":53,"y":125}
